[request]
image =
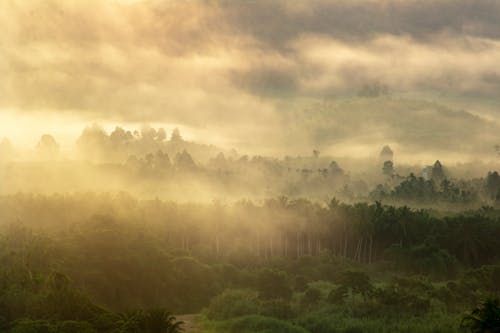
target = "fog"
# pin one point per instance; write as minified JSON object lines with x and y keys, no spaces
{"x":344,"y":77}
{"x":298,"y":166}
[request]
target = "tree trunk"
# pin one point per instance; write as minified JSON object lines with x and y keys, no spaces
{"x":258,"y":244}
{"x":345,"y":239}
{"x":371,"y":249}
{"x":286,"y":245}
{"x":298,"y":245}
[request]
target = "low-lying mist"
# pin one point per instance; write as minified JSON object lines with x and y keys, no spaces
{"x":151,"y":163}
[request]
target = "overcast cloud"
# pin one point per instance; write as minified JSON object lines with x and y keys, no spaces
{"x":247,"y":70}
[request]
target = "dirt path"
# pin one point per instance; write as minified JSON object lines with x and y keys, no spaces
{"x":189,"y":320}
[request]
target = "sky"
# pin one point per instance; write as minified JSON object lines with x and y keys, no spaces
{"x":278,"y":77}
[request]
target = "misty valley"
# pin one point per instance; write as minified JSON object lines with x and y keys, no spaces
{"x":134,"y":231}
{"x":263,"y":166}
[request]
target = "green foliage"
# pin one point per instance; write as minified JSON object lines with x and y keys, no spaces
{"x":233,"y":303}
{"x":485,"y":277}
{"x":71,"y":326}
{"x":336,"y":320}
{"x":356,"y":282}
{"x":399,"y":301}
{"x":277,"y":308}
{"x":32,"y":326}
{"x":338,"y":295}
{"x":273,"y":284}
{"x":424,"y":259}
{"x":311,"y":297}
{"x":300,"y":283}
{"x":196,"y":279}
{"x":484,"y":318}
{"x":161,"y":321}
{"x":291,"y":255}
{"x":260,"y":324}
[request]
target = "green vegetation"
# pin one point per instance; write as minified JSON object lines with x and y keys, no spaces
{"x":84,"y":262}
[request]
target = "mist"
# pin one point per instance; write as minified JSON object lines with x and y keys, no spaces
{"x":305,"y":166}
{"x":254,"y":76}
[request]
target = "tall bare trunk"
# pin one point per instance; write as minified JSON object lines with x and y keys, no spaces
{"x":371,"y":249}
{"x":258,"y":244}
{"x":345,"y":239}
{"x":298,"y":245}
{"x":286,"y":245}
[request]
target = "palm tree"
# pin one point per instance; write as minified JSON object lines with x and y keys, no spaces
{"x":162,"y":321}
{"x":357,"y":283}
{"x":484,"y":318}
{"x":131,"y":322}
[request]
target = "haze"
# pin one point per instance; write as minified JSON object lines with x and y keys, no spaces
{"x":273,"y":78}
{"x":249,"y":166}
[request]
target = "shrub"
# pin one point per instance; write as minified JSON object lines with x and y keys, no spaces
{"x":484,"y":318}
{"x":32,"y":326}
{"x":233,"y":303}
{"x":399,"y":301}
{"x":300,"y":283}
{"x":337,"y":295}
{"x":71,"y":326}
{"x":311,"y":297}
{"x":261,"y":324}
{"x":273,"y":284}
{"x":280,"y":309}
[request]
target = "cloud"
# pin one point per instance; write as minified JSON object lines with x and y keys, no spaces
{"x":241,"y":68}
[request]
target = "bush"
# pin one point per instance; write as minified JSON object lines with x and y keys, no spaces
{"x":280,"y":309}
{"x":32,"y":326}
{"x":338,"y":295}
{"x":399,"y":301}
{"x":233,"y":303}
{"x":484,"y":318}
{"x":300,"y":283}
{"x":311,"y":297}
{"x":260,"y":324}
{"x":319,"y":323}
{"x":273,"y":284}
{"x":75,"y":327}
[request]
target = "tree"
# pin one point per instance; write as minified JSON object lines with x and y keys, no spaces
{"x":148,"y":133}
{"x":437,"y":173}
{"x":335,"y":169}
{"x":388,"y":168}
{"x":161,"y":135}
{"x":311,"y":297}
{"x":273,"y":284}
{"x":47,"y":147}
{"x":176,"y":136}
{"x":184,"y":161}
{"x":120,"y":137}
{"x":32,"y":326}
{"x":386,"y":154}
{"x":485,"y":318}
{"x":131,"y":322}
{"x":356,"y":282}
{"x":94,"y":142}
{"x":161,"y":321}
{"x":493,"y":185}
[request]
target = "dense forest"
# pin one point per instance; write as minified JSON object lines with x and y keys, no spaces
{"x":113,"y":263}
{"x":135,"y":232}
